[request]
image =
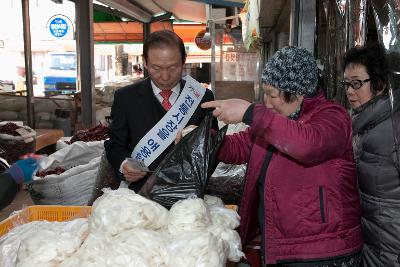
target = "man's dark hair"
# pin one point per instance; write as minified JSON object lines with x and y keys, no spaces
{"x":161,"y":39}
{"x":373,"y":59}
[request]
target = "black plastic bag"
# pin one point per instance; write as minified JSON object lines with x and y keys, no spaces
{"x":227,"y":183}
{"x":185,"y":170}
{"x":228,"y":179}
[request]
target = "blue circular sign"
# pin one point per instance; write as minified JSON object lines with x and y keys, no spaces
{"x":58,"y":27}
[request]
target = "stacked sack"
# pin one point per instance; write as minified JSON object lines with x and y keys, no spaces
{"x":16,"y":141}
{"x":105,"y":176}
{"x":105,"y":96}
{"x":13,"y":108}
{"x":67,"y":177}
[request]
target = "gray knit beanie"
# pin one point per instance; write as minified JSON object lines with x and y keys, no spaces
{"x":292,"y":69}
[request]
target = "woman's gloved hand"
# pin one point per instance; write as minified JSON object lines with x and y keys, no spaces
{"x":23,"y":170}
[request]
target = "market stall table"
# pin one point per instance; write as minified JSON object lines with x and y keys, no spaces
{"x":47,"y":137}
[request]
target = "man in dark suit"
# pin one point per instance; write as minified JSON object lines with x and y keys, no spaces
{"x":137,"y":108}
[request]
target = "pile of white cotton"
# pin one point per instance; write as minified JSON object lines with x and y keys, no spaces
{"x":188,"y":218}
{"x":188,"y":215}
{"x":133,"y":248}
{"x":42,"y":243}
{"x":119,"y":210}
{"x":128,"y":230}
{"x":213,"y":201}
{"x":197,"y":248}
{"x":91,"y":254}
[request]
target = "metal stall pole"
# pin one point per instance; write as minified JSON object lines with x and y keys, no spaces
{"x":30,"y":100}
{"x":85,"y":51}
{"x":302,"y":24}
{"x":146,"y":33}
{"x":294,"y":22}
{"x":211,"y":27}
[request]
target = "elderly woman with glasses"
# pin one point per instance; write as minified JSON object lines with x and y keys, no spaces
{"x":366,"y":85}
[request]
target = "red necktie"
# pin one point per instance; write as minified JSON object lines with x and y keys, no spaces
{"x":165,"y":95}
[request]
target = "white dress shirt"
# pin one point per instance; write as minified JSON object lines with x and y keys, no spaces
{"x":174,"y":96}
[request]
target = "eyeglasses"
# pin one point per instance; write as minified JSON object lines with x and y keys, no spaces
{"x":355,"y":84}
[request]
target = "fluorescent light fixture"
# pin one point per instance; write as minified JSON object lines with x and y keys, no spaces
{"x":128,"y":8}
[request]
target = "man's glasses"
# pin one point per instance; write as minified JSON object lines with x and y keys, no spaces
{"x":355,"y":84}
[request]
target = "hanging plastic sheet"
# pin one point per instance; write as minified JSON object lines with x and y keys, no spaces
{"x":250,"y":26}
{"x":353,"y":14}
{"x":387,"y":19}
{"x":332,"y":38}
{"x":341,"y":25}
{"x":341,"y":6}
{"x":357,"y":18}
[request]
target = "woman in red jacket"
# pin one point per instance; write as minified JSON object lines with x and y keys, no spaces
{"x":300,"y":190}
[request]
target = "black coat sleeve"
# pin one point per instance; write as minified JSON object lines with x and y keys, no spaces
{"x":116,"y":147}
{"x":8,"y":189}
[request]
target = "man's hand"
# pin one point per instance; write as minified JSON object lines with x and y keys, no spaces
{"x":178,"y":137}
{"x":229,"y":110}
{"x":131,"y":174}
{"x":180,"y":134}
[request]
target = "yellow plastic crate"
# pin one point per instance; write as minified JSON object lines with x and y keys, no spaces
{"x":232,"y":207}
{"x":41,"y":213}
{"x":51,"y":213}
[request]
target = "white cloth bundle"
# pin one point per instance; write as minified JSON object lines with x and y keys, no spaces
{"x":231,"y":241}
{"x":42,"y":243}
{"x":120,"y":210}
{"x":196,"y":249}
{"x":94,"y":252}
{"x":213,"y":201}
{"x":224,"y":217}
{"x":188,"y":215}
{"x":140,"y":243}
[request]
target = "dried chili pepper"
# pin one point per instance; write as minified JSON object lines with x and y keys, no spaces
{"x":98,"y":133}
{"x":12,"y":149}
{"x":10,"y":129}
{"x":57,"y":170}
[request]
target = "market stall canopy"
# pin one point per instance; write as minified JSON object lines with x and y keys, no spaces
{"x":133,"y":31}
{"x":275,"y":16}
{"x":124,"y":31}
{"x":232,"y":3}
{"x":146,"y":11}
{"x":121,"y":20}
{"x":133,"y":10}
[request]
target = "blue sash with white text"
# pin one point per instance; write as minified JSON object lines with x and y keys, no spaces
{"x":164,"y":132}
